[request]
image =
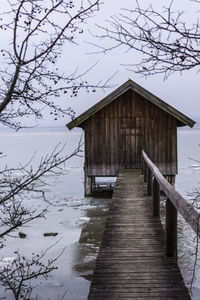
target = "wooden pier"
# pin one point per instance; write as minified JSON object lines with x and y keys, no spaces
{"x":129,"y":133}
{"x":132,"y":261}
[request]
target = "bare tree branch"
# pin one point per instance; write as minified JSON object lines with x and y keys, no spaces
{"x":15,"y":215}
{"x":18,"y":276}
{"x":166,"y":41}
{"x":12,"y":187}
{"x":15,"y":189}
{"x":30,"y":82}
{"x":30,"y":85}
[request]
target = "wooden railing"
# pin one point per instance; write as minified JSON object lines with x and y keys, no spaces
{"x":175,"y":202}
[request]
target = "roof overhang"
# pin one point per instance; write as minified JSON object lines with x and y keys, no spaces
{"x":131,"y":85}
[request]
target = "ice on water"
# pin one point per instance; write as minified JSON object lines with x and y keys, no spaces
{"x":77,"y":219}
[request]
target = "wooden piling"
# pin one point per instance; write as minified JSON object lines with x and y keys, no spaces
{"x":171,"y":230}
{"x":156,"y":198}
{"x":88,"y":186}
{"x":149,"y":182}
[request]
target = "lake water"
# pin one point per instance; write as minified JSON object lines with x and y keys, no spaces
{"x":79,"y":221}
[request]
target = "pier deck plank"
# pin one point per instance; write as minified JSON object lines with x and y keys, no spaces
{"x":131,"y":263}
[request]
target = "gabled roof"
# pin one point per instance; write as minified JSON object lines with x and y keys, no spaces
{"x":131,"y":85}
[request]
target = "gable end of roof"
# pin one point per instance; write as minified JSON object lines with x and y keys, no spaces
{"x":181,"y":118}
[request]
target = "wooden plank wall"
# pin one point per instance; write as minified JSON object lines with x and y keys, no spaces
{"x":116,"y":135}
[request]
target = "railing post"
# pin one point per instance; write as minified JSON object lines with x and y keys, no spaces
{"x":149,"y":182}
{"x":145,"y":171}
{"x":156,"y":198}
{"x":171,"y":230}
{"x":142,"y":165}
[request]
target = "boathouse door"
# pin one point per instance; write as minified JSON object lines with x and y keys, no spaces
{"x":131,"y":144}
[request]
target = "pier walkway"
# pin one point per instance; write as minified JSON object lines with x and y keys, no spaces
{"x":132,"y":261}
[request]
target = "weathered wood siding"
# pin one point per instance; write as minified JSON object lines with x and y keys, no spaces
{"x":116,"y":135}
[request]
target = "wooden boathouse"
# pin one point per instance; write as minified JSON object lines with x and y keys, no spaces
{"x":124,"y":123}
{"x":132,"y":134}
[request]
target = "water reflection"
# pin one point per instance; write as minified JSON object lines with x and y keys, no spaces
{"x":91,"y":237}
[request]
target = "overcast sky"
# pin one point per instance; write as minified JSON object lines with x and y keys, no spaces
{"x":180,"y":91}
